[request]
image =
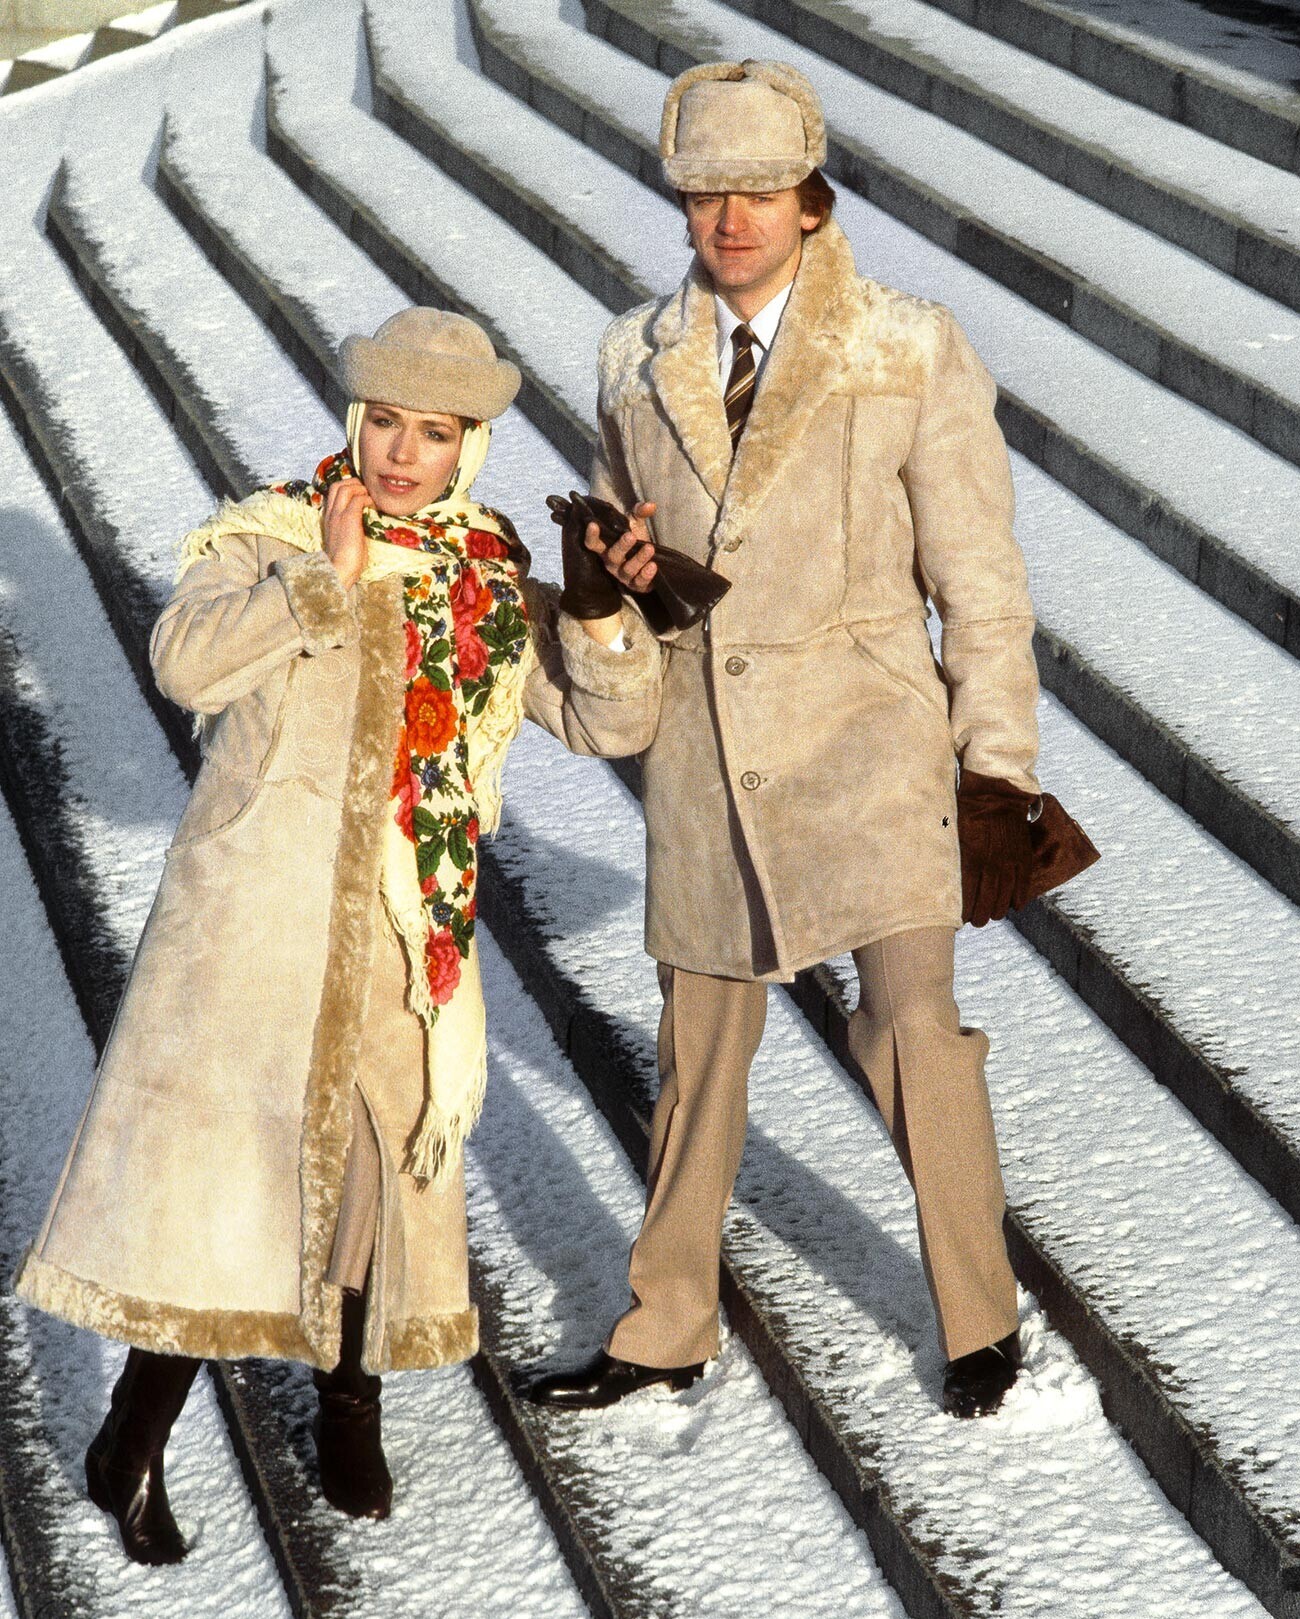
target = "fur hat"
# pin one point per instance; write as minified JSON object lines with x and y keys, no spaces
{"x":430,"y":360}
{"x":741,"y":126}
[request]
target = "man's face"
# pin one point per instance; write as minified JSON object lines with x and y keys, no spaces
{"x":749,"y":242}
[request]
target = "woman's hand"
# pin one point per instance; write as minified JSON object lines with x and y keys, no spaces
{"x":631,"y":559}
{"x":344,"y":536}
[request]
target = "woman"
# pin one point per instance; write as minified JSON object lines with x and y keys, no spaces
{"x":270,"y":1161}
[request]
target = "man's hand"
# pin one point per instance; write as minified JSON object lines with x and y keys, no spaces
{"x":630,"y":559}
{"x":344,"y":536}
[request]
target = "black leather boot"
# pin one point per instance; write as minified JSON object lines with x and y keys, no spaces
{"x":124,"y":1465}
{"x":975,"y":1385}
{"x":605,"y":1380}
{"x":354,"y":1476}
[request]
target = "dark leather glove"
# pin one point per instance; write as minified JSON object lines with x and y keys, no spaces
{"x":682,"y":591}
{"x":993,"y":830}
{"x":590,"y":590}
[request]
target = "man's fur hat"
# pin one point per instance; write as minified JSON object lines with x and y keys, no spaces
{"x":741,"y":126}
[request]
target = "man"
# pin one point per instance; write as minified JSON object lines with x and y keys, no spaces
{"x":829,"y":445}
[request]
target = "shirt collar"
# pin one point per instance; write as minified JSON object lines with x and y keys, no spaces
{"x":763,"y":325}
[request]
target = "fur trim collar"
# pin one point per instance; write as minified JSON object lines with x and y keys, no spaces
{"x":839,"y":334}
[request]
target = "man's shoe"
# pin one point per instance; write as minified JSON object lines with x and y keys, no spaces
{"x":124,"y":1464}
{"x":605,"y":1380}
{"x":975,"y":1385}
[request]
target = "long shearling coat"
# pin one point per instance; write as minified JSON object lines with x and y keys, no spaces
{"x":197,"y":1210}
{"x":800,"y":785}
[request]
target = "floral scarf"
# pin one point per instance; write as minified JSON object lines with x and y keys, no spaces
{"x":466,"y":628}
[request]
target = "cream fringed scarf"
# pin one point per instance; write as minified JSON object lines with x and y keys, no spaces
{"x":467,"y":656}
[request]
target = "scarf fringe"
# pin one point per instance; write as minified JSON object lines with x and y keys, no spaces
{"x":439,"y":1139}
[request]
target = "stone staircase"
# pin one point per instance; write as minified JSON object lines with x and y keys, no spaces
{"x":1121,"y":241}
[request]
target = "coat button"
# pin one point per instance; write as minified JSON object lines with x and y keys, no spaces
{"x":736,"y":666}
{"x":732,"y":545}
{"x":750,"y":780}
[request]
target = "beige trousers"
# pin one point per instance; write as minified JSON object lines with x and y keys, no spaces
{"x":927,"y":1075}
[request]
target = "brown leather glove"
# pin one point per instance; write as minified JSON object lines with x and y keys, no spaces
{"x":590,"y":590}
{"x":997,"y":857}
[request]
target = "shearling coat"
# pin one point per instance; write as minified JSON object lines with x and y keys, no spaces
{"x":800,"y":785}
{"x":198,"y":1207}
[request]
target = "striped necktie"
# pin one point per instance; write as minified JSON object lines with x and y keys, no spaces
{"x":740,"y":384}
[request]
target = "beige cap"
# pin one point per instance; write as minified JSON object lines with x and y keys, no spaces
{"x":741,"y":126}
{"x":431,"y":360}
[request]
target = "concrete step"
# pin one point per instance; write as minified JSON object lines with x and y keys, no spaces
{"x":1129,"y":694}
{"x":1158,"y":55}
{"x":1196,"y":330}
{"x":1232,"y":1063}
{"x":580,"y":1514}
{"x":1236,"y":212}
{"x":1145,"y":459}
{"x":600,"y":998}
{"x":266,"y":279}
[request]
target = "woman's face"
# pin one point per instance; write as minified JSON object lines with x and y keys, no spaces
{"x":407,"y":458}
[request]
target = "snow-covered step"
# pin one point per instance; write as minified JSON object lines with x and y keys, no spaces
{"x":1160,"y":308}
{"x":1202,"y":69}
{"x":766,"y":1431}
{"x":168,"y":307}
{"x":1237,"y":212}
{"x":99,"y":793}
{"x":1106,"y":957}
{"x":1153,"y":699}
{"x":344,"y":291}
{"x":820,"y":1246}
{"x":73,"y":417}
{"x":1201,"y":494}
{"x":487,"y":1504}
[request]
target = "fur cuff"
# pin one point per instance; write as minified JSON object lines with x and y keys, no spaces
{"x":317,"y":600}
{"x":601,"y":672}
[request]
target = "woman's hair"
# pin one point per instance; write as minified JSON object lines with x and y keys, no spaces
{"x":816,"y":196}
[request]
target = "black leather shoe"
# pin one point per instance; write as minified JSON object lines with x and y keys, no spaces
{"x":605,"y":1380}
{"x":975,"y":1385}
{"x":124,"y":1464}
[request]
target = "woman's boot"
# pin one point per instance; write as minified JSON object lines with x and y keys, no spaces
{"x":124,"y":1465}
{"x":354,"y":1476}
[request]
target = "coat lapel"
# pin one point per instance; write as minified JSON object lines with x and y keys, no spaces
{"x":684,"y":370}
{"x":807,"y":363}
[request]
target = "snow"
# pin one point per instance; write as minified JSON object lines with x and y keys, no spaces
{"x":45,"y":1068}
{"x":129,"y":790}
{"x":460,"y":240}
{"x":1041,"y":1510}
{"x":1241,"y":48}
{"x":1208,"y":472}
{"x":1030,"y":1511}
{"x":1176,"y":158}
{"x":706,"y":1499}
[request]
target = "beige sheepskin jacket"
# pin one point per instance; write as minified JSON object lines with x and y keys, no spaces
{"x":197,"y":1210}
{"x":800,"y":785}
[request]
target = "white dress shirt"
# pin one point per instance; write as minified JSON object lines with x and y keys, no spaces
{"x":763,"y":326}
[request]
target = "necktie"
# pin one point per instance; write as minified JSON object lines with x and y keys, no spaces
{"x":740,"y":384}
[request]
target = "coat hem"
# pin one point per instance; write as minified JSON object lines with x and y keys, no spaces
{"x":427,"y":1341}
{"x":785,"y":974}
{"x":166,"y":1329}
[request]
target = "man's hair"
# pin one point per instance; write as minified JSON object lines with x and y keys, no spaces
{"x":816,"y":196}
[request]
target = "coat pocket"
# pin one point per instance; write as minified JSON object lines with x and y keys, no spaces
{"x":898,"y":649}
{"x":220,"y":800}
